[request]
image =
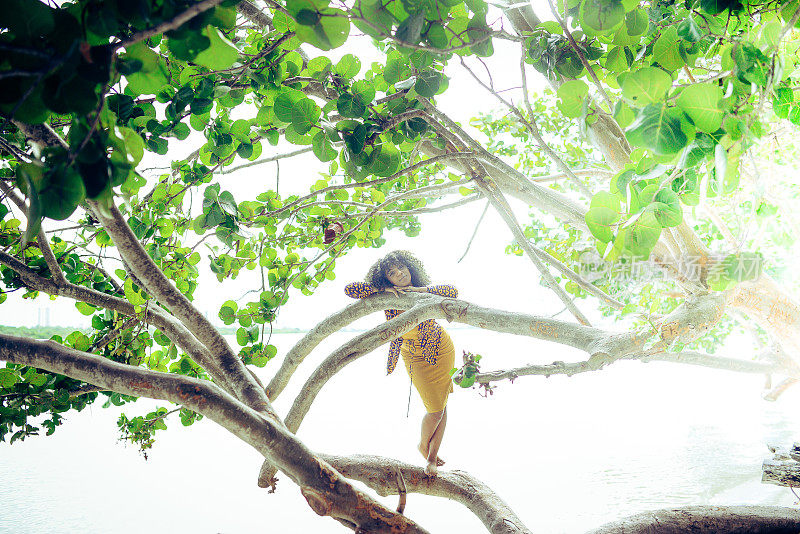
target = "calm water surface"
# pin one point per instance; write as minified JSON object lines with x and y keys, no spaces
{"x":567,"y":454}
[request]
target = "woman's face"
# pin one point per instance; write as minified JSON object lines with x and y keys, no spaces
{"x":398,"y":275}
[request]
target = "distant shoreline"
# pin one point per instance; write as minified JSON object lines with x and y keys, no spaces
{"x":46,"y":332}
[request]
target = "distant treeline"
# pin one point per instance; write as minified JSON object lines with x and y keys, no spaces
{"x":46,"y":332}
{"x":231,"y":330}
{"x":40,"y":332}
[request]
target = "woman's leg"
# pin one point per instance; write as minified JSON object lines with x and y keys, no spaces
{"x":436,"y":441}
{"x":431,"y":438}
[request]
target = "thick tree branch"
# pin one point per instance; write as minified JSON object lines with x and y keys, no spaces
{"x":254,"y":14}
{"x":158,"y":285}
{"x":163,"y":321}
{"x":327,"y":492}
{"x":380,"y":473}
{"x":708,"y":520}
{"x":314,"y":337}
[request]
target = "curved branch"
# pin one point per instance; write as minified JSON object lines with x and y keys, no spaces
{"x":314,"y":337}
{"x":158,"y":285}
{"x":327,"y":492}
{"x":380,"y":473}
{"x":351,"y":351}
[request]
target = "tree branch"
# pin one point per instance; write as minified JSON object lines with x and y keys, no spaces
{"x":380,"y":473}
{"x":158,"y":285}
{"x":709,"y":520}
{"x":175,"y":22}
{"x":688,"y":358}
{"x":266,"y":160}
{"x":164,"y":322}
{"x":502,"y":208}
{"x":327,"y":492}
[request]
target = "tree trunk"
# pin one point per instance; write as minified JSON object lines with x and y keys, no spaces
{"x":709,"y":520}
{"x":772,"y":308}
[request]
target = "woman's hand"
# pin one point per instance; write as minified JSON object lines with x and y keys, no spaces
{"x":394,"y":290}
{"x":398,"y":290}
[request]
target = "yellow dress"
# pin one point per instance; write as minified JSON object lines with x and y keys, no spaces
{"x":432,"y":381}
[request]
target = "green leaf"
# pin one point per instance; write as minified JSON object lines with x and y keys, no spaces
{"x":133,"y":296}
{"x":601,"y":221}
{"x":666,"y":51}
{"x":701,"y":102}
{"x":667,"y":208}
{"x":221,"y":54}
{"x":623,"y":114}
{"x":28,"y":175}
{"x":782,"y":102}
{"x":643,"y":235}
{"x":322,"y":147}
{"x":227,"y":312}
{"x":187,"y":47}
{"x":751,"y":65}
{"x":689,"y":30}
{"x":85,"y":309}
{"x":715,"y":7}
{"x":355,"y":139}
{"x":305,"y":114}
{"x":153,"y":74}
{"x":601,"y":16}
{"x":63,"y":192}
{"x":572,"y":95}
{"x":307,"y":17}
{"x":648,"y":85}
{"x":350,"y":106}
{"x":410,"y":30}
{"x":657,"y":128}
{"x":348,"y":66}
{"x":330,"y":32}
{"x":8,"y":377}
{"x":364,"y":90}
{"x":285,"y":103}
{"x":385,"y":160}
{"x":427,"y":83}
{"x":134,"y":144}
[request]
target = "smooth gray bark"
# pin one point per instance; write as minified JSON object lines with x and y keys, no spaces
{"x":709,"y":520}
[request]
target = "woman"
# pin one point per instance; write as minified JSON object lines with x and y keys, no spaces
{"x":427,"y":350}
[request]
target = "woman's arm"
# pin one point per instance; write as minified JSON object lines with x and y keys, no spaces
{"x":443,"y":290}
{"x":360,"y":290}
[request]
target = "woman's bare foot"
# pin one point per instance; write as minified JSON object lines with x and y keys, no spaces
{"x":431,"y":470}
{"x":424,"y":452}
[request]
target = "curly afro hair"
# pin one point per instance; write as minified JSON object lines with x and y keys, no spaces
{"x":376,"y":276}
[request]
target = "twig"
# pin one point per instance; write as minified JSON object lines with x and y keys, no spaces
{"x":267,"y":160}
{"x":402,"y":491}
{"x":534,"y":131}
{"x":582,"y":57}
{"x":505,"y":212}
{"x":168,"y":25}
{"x":475,"y":232}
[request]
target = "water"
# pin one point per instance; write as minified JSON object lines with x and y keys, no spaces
{"x":567,"y":454}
